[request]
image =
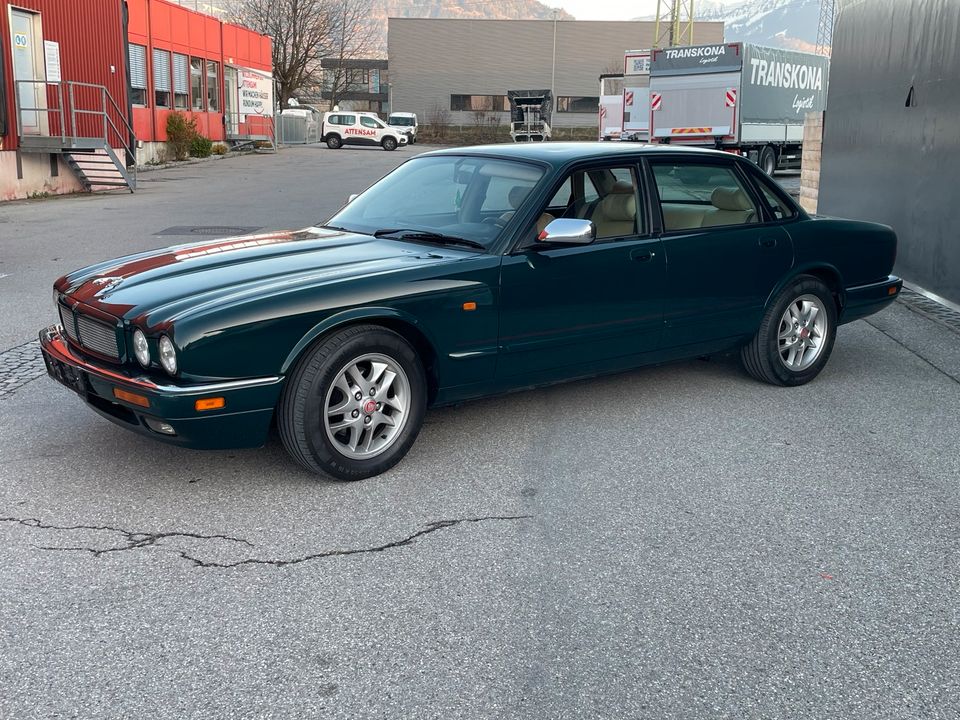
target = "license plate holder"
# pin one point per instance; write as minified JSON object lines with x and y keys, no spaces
{"x":73,"y":378}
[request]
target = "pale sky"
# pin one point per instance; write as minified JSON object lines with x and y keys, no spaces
{"x":605,"y":9}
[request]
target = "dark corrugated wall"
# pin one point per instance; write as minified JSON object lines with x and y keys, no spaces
{"x":891,"y":140}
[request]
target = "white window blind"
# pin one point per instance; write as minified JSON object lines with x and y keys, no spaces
{"x":161,"y":70}
{"x":181,"y":74}
{"x":138,"y":66}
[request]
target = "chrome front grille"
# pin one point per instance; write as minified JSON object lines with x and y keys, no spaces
{"x":89,"y":333}
{"x":69,"y":326}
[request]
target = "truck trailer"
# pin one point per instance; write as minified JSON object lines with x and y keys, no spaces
{"x":636,"y":96}
{"x":530,"y":112}
{"x":738,"y":97}
{"x":610,"y":120}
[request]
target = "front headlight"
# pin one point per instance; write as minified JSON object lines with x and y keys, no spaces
{"x":140,"y":347}
{"x":168,"y":355}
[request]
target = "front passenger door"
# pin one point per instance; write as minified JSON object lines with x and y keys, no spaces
{"x":572,"y":309}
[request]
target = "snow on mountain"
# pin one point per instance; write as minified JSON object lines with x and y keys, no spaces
{"x":780,"y":23}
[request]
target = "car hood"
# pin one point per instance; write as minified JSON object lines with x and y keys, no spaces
{"x":169,"y":282}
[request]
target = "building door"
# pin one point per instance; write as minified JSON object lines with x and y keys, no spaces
{"x":27,"y":43}
{"x":230,"y":90}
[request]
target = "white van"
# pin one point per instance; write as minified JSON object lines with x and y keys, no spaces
{"x":344,"y":127}
{"x":404,"y":122}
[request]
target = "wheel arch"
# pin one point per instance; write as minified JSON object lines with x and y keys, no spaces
{"x":398,"y":321}
{"x":826,"y":273}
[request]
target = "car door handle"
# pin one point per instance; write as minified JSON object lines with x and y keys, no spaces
{"x":767,"y":242}
{"x":642,"y":255}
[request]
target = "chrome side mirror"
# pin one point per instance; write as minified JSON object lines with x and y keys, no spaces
{"x":352,"y":197}
{"x":569,"y":231}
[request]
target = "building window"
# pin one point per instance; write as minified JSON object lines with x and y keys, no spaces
{"x":138,"y":75}
{"x":196,"y":83}
{"x":577,"y":104}
{"x":213,"y":86}
{"x":161,"y":78}
{"x":475,"y":103}
{"x":181,"y":81}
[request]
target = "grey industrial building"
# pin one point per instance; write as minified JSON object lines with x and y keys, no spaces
{"x":891,"y":134}
{"x":464,"y":66}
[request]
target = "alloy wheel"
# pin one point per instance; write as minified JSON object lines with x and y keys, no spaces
{"x":803,"y":332}
{"x":367,"y":406}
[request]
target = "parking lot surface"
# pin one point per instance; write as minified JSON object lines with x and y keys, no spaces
{"x":674,"y":542}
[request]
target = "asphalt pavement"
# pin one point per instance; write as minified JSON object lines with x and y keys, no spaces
{"x":673,"y":542}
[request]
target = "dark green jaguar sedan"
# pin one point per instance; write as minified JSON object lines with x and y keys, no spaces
{"x":460,"y":274}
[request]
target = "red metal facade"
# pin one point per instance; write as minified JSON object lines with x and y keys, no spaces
{"x":164,"y":26}
{"x":91,"y":38}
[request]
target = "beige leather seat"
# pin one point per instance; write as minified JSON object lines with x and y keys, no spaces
{"x":731,"y":206}
{"x":616,"y":214}
{"x":515,"y":197}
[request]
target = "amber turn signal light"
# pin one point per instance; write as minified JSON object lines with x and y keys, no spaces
{"x":468,"y":306}
{"x":892,"y":290}
{"x":211,"y":403}
{"x":131,"y":398}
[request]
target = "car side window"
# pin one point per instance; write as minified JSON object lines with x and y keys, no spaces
{"x":561,"y":198}
{"x":696,"y":196}
{"x":348,"y":119}
{"x":779,"y":209}
{"x":368,"y":122}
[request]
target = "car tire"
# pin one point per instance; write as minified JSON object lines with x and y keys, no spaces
{"x":317,"y":420}
{"x":389,"y":144}
{"x":768,"y":160}
{"x":334,"y":142}
{"x":791,"y":347}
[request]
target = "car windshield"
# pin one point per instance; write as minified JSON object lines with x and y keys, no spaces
{"x":470,"y":198}
{"x":402,"y":121}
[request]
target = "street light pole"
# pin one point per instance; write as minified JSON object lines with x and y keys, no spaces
{"x":553,"y":68}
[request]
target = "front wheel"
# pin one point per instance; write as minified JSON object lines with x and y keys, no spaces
{"x":354,"y":404}
{"x":334,"y":142}
{"x":796,"y":335}
{"x":389,"y":143}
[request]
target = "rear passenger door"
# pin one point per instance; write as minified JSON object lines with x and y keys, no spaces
{"x":723,"y":255}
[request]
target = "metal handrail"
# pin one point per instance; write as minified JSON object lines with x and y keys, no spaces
{"x":107,"y":103}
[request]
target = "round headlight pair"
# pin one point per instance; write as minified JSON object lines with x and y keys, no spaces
{"x":168,"y":353}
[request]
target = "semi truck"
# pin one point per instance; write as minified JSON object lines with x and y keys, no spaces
{"x":743,"y":98}
{"x":530,"y":115}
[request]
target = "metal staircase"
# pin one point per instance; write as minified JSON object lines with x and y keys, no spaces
{"x":84,"y":125}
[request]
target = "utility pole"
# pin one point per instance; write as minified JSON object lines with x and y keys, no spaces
{"x":674,"y":24}
{"x":828,"y":18}
{"x":553,"y":68}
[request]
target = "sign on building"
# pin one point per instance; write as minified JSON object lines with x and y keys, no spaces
{"x":255,"y":93}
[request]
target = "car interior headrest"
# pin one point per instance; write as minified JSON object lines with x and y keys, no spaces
{"x":726,"y":198}
{"x":618,"y":207}
{"x":517,"y":195}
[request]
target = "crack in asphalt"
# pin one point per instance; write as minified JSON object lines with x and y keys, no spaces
{"x":137,"y":540}
{"x":134,"y":540}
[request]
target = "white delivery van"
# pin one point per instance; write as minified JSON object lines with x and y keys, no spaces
{"x":344,"y":127}
{"x":405,"y":122}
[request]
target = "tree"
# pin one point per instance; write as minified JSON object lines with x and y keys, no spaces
{"x":302,"y":32}
{"x":353,"y":36}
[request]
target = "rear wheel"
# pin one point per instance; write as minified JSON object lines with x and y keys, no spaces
{"x":768,"y":160}
{"x":354,"y":405}
{"x":389,"y":143}
{"x":334,"y":142}
{"x":796,"y":335}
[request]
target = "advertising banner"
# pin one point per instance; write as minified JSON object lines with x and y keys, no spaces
{"x":781,"y":86}
{"x":255,"y":93}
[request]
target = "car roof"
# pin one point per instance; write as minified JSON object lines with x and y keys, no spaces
{"x":560,"y":153}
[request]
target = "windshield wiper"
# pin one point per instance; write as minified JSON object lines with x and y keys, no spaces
{"x":336,"y":227}
{"x":430,"y":237}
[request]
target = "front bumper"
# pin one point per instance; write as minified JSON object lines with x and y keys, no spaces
{"x":864,"y":300}
{"x":243,"y":421}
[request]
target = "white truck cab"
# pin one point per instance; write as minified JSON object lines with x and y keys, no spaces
{"x":405,"y":122}
{"x":346,"y":127}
